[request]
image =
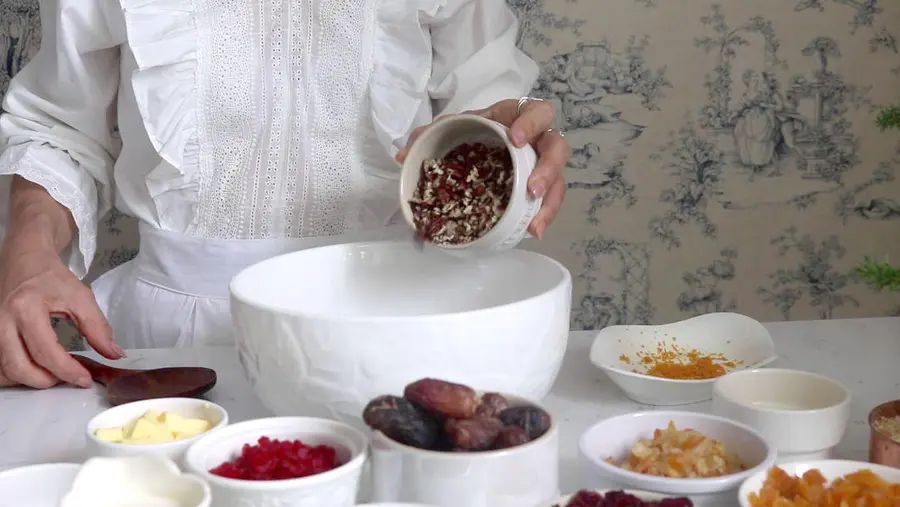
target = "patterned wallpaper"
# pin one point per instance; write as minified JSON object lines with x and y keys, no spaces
{"x":725,"y":154}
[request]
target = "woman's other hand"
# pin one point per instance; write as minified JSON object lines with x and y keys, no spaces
{"x":530,"y":123}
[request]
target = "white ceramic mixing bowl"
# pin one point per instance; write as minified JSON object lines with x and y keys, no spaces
{"x":321,"y":332}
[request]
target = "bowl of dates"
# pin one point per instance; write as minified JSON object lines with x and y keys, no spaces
{"x":463,"y":186}
{"x":620,"y":498}
{"x":446,"y":444}
{"x":297,"y":461}
{"x":322,"y":331}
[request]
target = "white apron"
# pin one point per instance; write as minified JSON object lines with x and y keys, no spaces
{"x":174,"y":293}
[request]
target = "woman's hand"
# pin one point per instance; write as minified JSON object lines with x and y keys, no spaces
{"x":532,"y":125}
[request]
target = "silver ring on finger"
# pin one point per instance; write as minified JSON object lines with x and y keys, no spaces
{"x":523,"y":101}
{"x":557,"y":131}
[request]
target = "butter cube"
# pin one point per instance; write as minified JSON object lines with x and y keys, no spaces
{"x":157,"y":438}
{"x":189,"y":427}
{"x":114,"y":435}
{"x":145,"y":429}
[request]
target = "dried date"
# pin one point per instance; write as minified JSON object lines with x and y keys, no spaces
{"x":491,"y":405}
{"x":511,"y":436}
{"x":476,"y":434}
{"x":532,"y":419}
{"x":402,"y":421}
{"x":443,"y":399}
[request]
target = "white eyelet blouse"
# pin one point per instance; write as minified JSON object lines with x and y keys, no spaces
{"x":245,"y":119}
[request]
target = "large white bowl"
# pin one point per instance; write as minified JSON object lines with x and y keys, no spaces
{"x":615,"y":436}
{"x":526,"y":475}
{"x":802,"y":414}
{"x":335,"y":488}
{"x":735,"y":336}
{"x":321,"y":332}
{"x":831,"y":469}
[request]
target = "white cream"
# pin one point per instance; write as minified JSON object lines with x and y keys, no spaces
{"x":135,"y":481}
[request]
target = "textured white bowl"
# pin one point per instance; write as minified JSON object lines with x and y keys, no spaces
{"x":123,"y":414}
{"x":322,"y":331}
{"x":450,"y":132}
{"x":737,"y":337}
{"x":335,"y":488}
{"x":831,"y":469}
{"x":802,"y":414}
{"x":614,"y":437}
{"x":37,"y":485}
{"x":527,"y":475}
{"x":646,"y":496}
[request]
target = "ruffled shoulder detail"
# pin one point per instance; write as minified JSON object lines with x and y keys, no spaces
{"x":402,"y":67}
{"x":163,"y":37}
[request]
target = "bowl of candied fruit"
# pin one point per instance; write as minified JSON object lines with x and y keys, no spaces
{"x":620,"y":498}
{"x":702,"y":456}
{"x":463,"y":186}
{"x":296,"y":461}
{"x":445,"y":444}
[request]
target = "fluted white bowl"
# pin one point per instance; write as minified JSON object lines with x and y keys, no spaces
{"x":322,"y":331}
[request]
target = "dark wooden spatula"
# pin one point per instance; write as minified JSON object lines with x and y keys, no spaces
{"x":125,"y":386}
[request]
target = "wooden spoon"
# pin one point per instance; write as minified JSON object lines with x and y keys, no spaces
{"x":125,"y":386}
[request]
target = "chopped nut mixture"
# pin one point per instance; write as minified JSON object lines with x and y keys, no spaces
{"x":889,"y":426}
{"x":461,"y":196}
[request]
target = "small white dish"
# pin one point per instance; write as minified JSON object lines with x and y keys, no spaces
{"x":615,"y":436}
{"x":736,"y":337}
{"x":37,"y":485}
{"x":802,"y":414}
{"x":647,"y":496}
{"x":450,"y":132}
{"x":514,"y":477}
{"x":335,"y":488}
{"x":135,"y":480}
{"x":123,"y":414}
{"x":831,"y":469}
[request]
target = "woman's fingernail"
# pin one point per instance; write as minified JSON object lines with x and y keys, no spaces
{"x":538,"y":190}
{"x":118,"y":350}
{"x":85,"y":382}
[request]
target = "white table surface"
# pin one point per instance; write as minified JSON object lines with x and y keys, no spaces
{"x":48,"y":426}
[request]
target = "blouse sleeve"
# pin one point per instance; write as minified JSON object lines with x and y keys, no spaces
{"x":475,"y":59}
{"x":58,"y":118}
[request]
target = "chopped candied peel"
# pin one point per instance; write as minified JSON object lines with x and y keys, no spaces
{"x":863,"y":488}
{"x":680,"y":454}
{"x":672,"y":362}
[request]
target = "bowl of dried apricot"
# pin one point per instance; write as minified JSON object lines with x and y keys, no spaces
{"x":690,"y":454}
{"x":678,"y":363}
{"x":825,"y":483}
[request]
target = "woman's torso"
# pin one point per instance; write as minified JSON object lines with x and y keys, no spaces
{"x":252,"y":119}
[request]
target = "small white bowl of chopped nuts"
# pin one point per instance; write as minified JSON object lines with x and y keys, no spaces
{"x":701,"y":456}
{"x":463,"y":186}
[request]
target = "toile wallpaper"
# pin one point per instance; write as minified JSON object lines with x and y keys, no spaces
{"x":725,"y":153}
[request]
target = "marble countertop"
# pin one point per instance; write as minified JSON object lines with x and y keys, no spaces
{"x":48,"y":426}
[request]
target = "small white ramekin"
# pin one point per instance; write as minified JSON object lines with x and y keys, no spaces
{"x":450,"y":132}
{"x":37,"y":485}
{"x":123,"y":414}
{"x":335,"y":488}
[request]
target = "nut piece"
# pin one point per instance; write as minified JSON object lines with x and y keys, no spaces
{"x":532,"y":419}
{"x":442,"y":399}
{"x":491,"y":405}
{"x":402,"y":421}
{"x":477,"y":434}
{"x":511,"y":436}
